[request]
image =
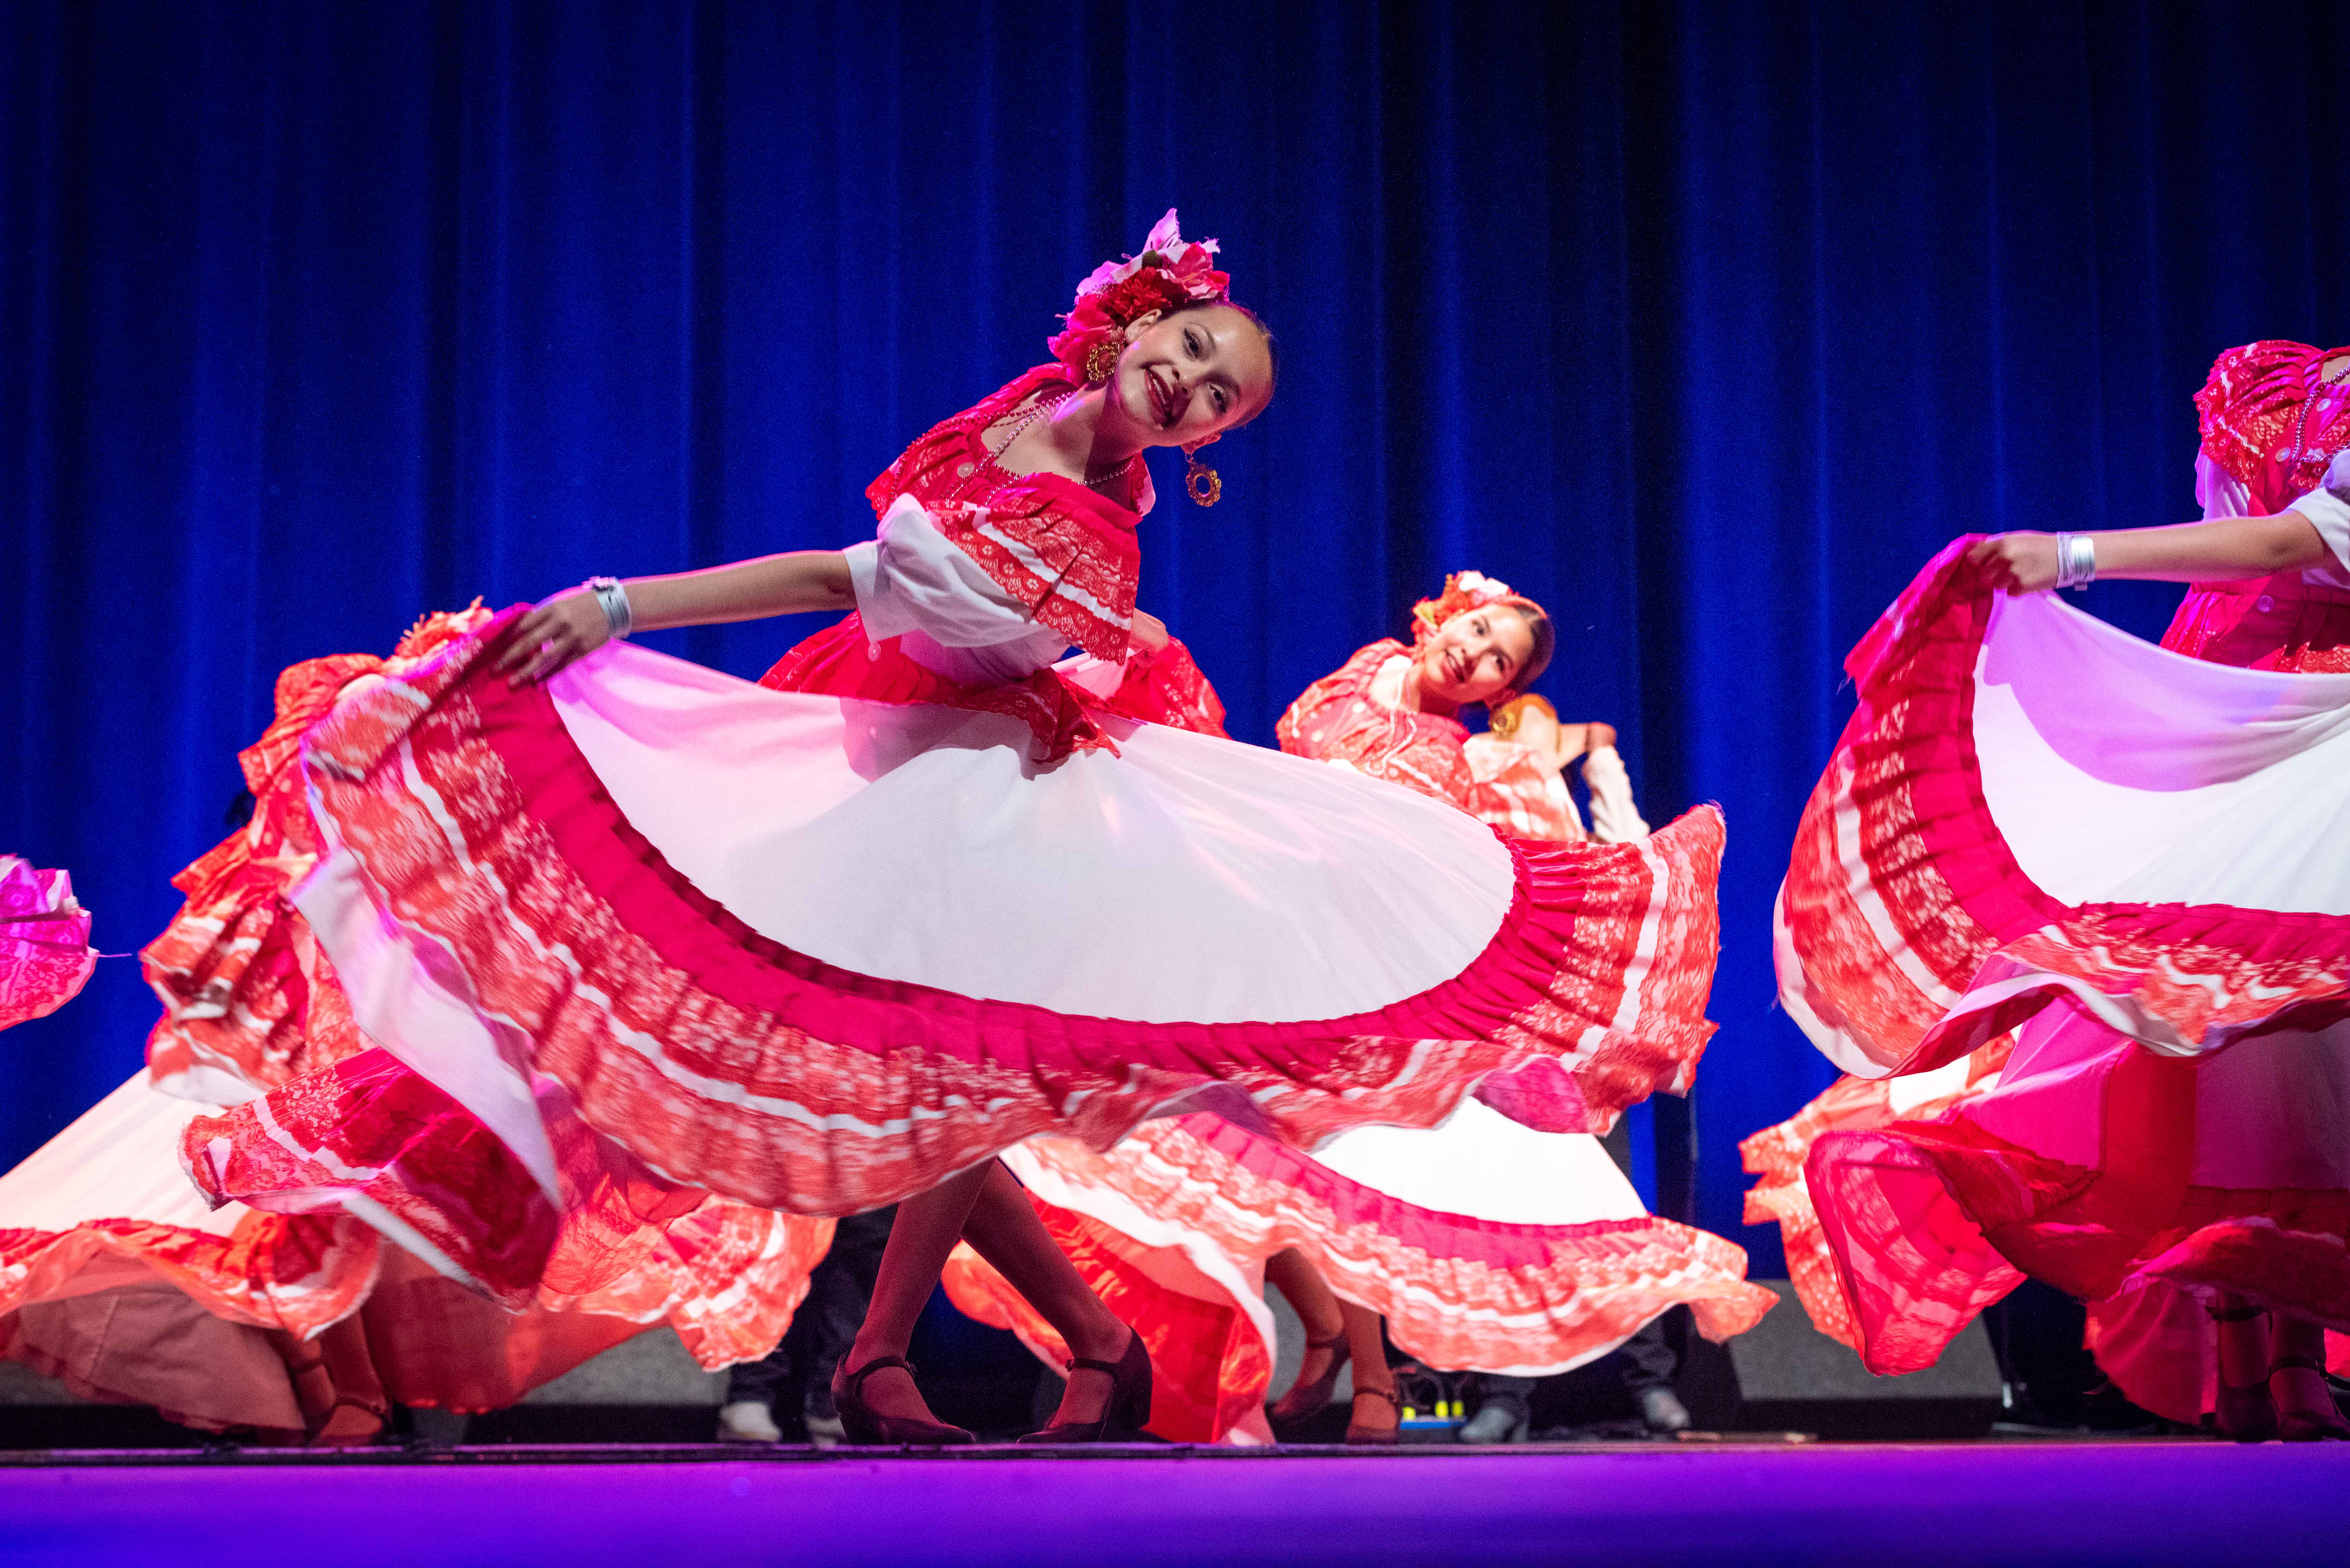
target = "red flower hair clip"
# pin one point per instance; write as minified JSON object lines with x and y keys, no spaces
{"x":1170,"y":272}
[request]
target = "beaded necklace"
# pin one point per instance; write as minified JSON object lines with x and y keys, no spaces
{"x":2333,"y":383}
{"x":1021,"y":421}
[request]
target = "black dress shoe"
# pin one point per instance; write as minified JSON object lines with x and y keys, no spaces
{"x":867,"y":1427}
{"x":1127,"y":1408}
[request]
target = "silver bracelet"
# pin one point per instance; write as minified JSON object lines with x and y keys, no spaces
{"x":2076,"y":560}
{"x":618,"y":619}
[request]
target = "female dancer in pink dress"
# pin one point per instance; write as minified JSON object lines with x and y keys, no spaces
{"x":117,"y":1279}
{"x":825,"y":947}
{"x":2037,"y":825}
{"x":1487,"y":1244}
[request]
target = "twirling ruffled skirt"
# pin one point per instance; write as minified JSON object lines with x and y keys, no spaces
{"x":116,"y":1278}
{"x":2136,"y":860}
{"x":1486,"y":1245}
{"x":817,"y":953}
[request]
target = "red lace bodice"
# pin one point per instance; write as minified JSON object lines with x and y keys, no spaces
{"x":1336,"y":720}
{"x":2270,"y":423}
{"x":1063,"y":550}
{"x":2268,"y":420}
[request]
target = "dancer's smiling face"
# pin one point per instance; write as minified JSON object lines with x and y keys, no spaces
{"x":1476,"y":656}
{"x":1188,"y":375}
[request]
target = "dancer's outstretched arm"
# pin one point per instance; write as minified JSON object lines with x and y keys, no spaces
{"x":2221,"y":550}
{"x":571,"y":624}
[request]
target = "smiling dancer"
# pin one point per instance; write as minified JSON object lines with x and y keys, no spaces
{"x":1486,"y":1245}
{"x":2132,"y":861}
{"x":303,"y":1327}
{"x":820,"y":951}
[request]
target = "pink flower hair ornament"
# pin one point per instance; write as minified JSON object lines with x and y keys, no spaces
{"x":1463,"y":591}
{"x":1170,"y":270}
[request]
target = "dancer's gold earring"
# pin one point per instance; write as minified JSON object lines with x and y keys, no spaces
{"x":1101,"y":359}
{"x":1203,"y":485}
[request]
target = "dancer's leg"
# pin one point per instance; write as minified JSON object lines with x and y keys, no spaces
{"x":1371,"y":1374}
{"x":1003,"y":1228}
{"x":335,"y":1384}
{"x":925,"y":1232}
{"x":2244,"y":1410}
{"x":1289,"y":1272}
{"x":2304,"y":1402}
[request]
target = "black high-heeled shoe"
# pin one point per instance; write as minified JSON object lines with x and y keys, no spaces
{"x":2298,"y":1425}
{"x":1306,"y":1400}
{"x":867,"y":1427}
{"x":2244,"y":1411}
{"x":1127,"y":1408}
{"x":1377,"y":1437}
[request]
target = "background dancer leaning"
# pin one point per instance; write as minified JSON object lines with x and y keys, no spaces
{"x":1489,"y":1245}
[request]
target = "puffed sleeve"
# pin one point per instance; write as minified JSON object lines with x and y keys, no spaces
{"x":909,"y":577}
{"x":2328,"y":510}
{"x":2218,"y":491}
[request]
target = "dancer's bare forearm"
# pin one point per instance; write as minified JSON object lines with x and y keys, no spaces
{"x":790,"y":584}
{"x":572,"y":623}
{"x":2221,"y":550}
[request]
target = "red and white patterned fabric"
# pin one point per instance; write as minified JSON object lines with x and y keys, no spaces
{"x":2037,"y":824}
{"x":1484,"y":1244}
{"x":44,"y":953}
{"x":108,"y":1259}
{"x":1777,"y":1154}
{"x":1066,"y":552}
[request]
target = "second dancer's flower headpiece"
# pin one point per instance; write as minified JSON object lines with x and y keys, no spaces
{"x":1463,"y":591}
{"x":1170,"y":272}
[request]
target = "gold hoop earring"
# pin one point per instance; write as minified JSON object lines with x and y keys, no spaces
{"x":1101,"y":359}
{"x":1203,"y":485}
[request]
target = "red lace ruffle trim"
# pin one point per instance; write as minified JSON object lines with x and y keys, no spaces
{"x":1457,"y":1292}
{"x":623,"y":1242}
{"x":299,"y":1274}
{"x":1932,"y":1221}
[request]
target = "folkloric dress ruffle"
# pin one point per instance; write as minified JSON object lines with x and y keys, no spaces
{"x":817,"y":953}
{"x":1486,"y":1245}
{"x":44,"y":951}
{"x":2035,"y":824}
{"x":116,"y":1278}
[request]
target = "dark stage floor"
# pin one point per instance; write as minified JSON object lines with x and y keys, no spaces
{"x":1725,"y":1505}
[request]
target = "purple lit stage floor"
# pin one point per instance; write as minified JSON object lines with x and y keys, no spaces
{"x":1726,"y":1506}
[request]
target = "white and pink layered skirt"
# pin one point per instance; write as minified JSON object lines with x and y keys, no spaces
{"x":2137,"y":863}
{"x":817,"y":953}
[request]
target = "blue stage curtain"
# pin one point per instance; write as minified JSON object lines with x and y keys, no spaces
{"x":1704,"y":323}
